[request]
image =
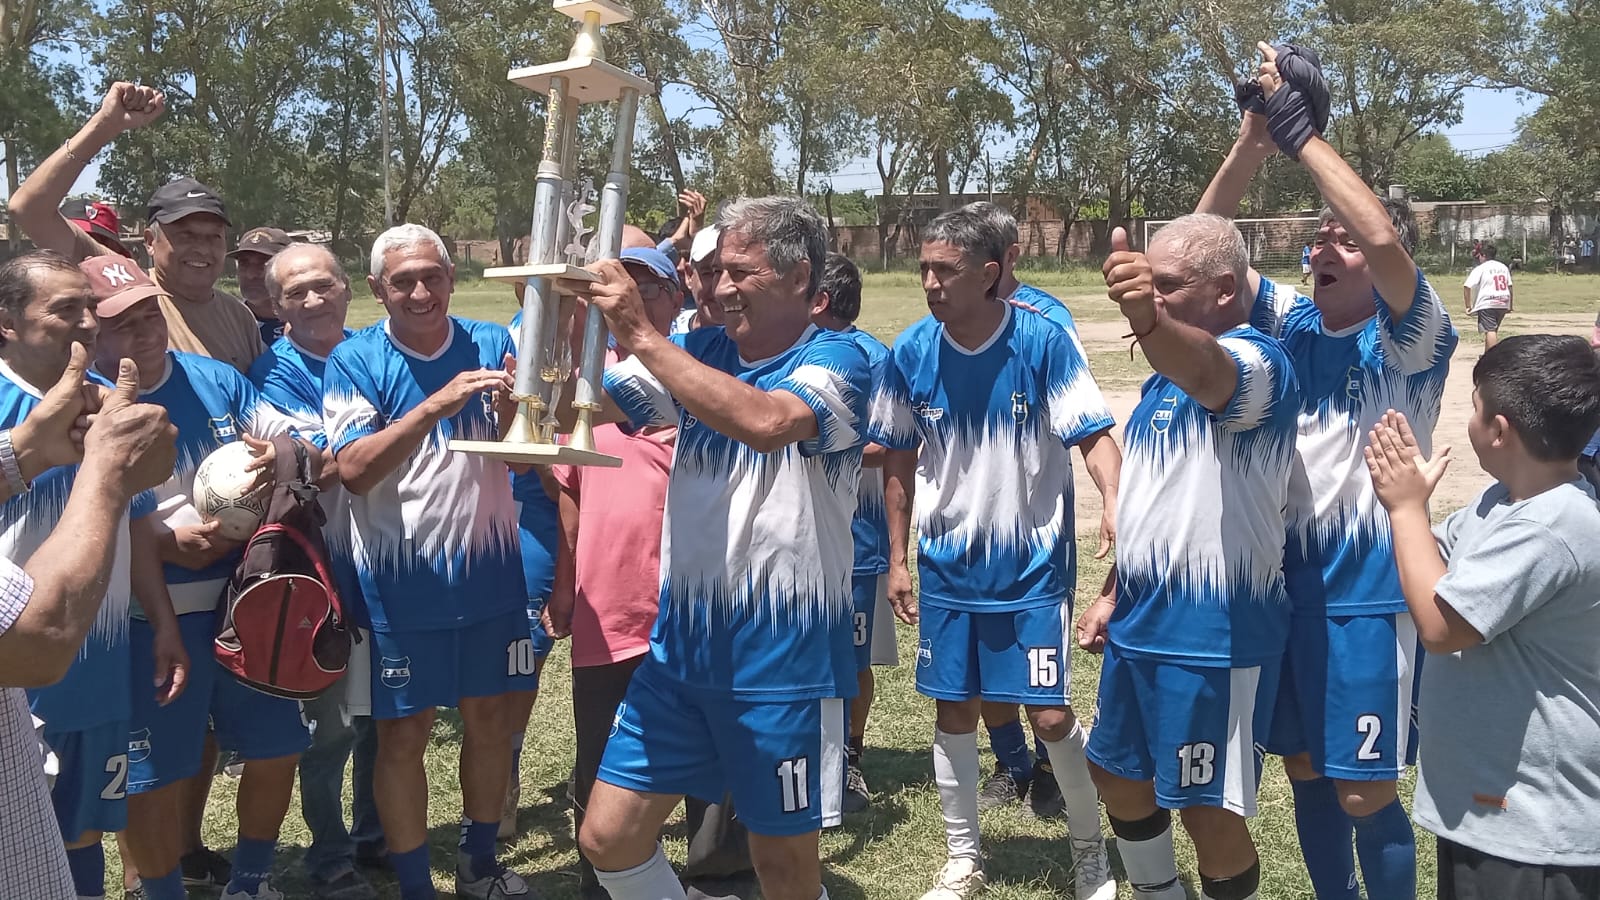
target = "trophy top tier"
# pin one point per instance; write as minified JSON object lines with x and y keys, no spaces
{"x":557,"y":250}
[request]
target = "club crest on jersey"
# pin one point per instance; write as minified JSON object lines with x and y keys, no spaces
{"x":139,"y":746}
{"x":224,"y":429}
{"x":1352,"y":383}
{"x":1019,"y":407}
{"x":1161,"y":419}
{"x":925,"y":652}
{"x":931,"y":413}
{"x":689,"y":421}
{"x":395,"y":673}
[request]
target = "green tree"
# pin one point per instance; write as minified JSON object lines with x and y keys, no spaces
{"x":40,"y":100}
{"x":1431,"y":169}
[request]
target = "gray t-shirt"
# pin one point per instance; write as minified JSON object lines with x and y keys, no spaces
{"x":1510,"y":728}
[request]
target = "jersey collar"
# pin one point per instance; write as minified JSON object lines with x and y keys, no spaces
{"x":430,"y":357}
{"x":804,"y":336}
{"x":11,"y":375}
{"x":1000,"y":329}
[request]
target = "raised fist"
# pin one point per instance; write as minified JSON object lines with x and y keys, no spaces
{"x":128,"y":106}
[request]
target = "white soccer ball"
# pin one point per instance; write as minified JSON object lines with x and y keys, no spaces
{"x":225,"y":492}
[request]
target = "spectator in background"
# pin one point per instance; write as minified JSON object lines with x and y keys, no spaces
{"x":1586,"y":252}
{"x":99,"y":221}
{"x":256,"y":248}
{"x":49,"y":603}
{"x":704,"y":270}
{"x":1488,"y":293}
{"x":1305,"y":265}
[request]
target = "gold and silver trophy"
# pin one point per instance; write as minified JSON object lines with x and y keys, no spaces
{"x":556,"y":252}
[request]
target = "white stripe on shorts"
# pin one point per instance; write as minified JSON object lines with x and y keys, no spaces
{"x":885,"y":642}
{"x":832,"y":773}
{"x":1405,"y":636}
{"x":1239,"y":784}
{"x":1067,"y":642}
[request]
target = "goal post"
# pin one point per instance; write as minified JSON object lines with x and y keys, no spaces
{"x":1274,"y":245}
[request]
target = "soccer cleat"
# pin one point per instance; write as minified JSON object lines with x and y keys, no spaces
{"x":263,"y":892}
{"x":502,"y":885}
{"x":206,"y":867}
{"x":1044,"y":794}
{"x":1000,"y":789}
{"x":960,"y":878}
{"x":1091,"y":876}
{"x":856,"y":795}
{"x":508,"y":812}
{"x":134,"y":893}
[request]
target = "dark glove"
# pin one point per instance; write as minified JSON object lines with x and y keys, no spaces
{"x":1249,"y":97}
{"x":1299,"y":108}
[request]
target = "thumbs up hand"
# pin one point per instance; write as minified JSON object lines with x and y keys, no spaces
{"x":133,"y":439}
{"x":52,"y":434}
{"x":1130,"y":282}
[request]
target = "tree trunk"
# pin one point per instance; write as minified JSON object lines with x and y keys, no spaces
{"x":13,"y":235}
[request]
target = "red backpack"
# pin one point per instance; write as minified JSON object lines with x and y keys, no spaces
{"x":281,"y":628}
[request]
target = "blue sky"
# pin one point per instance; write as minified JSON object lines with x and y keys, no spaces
{"x":1489,"y":122}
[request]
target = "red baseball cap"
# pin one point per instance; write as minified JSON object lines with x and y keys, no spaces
{"x":118,"y":283}
{"x":97,"y":220}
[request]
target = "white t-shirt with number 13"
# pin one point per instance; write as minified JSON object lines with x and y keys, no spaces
{"x":1491,"y":285}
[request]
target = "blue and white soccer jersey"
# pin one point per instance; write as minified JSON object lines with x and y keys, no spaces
{"x":869,"y":528}
{"x":435,"y":544}
{"x":1202,"y":615}
{"x":85,"y":714}
{"x":752,"y":650}
{"x":538,"y":521}
{"x":994,"y":501}
{"x":211,"y":404}
{"x":1345,"y":695}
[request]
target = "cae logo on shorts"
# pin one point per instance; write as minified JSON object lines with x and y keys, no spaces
{"x":139,"y":746}
{"x":925,"y":652}
{"x":396,"y":673}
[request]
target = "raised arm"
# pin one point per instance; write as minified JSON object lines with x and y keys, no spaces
{"x":36,"y":205}
{"x":1189,"y":356}
{"x":1227,"y":188}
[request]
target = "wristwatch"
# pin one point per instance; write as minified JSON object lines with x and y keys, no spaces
{"x":8,"y":465}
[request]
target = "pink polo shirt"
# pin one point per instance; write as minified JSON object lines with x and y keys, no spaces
{"x":619,"y":544}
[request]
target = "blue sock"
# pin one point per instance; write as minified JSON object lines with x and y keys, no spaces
{"x":1010,"y":748}
{"x":1388,"y":850}
{"x":412,"y":871}
{"x":1325,"y":839}
{"x":252,"y":863}
{"x":167,"y":887}
{"x":477,"y":846}
{"x":88,"y":865}
{"x":1040,"y":752}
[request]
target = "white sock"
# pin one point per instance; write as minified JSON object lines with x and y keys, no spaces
{"x":652,"y":880}
{"x":1152,"y":867}
{"x":955,"y":770}
{"x":1077,"y":789}
{"x":824,"y":894}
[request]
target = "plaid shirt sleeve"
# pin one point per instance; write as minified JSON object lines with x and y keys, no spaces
{"x":15,"y":589}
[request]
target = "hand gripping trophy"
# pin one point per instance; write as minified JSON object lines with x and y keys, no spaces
{"x":556,"y":249}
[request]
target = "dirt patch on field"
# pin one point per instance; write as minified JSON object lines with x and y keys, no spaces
{"x":1465,"y":478}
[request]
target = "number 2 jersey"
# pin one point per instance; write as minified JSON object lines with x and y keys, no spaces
{"x":756,"y":548}
{"x":87,"y":696}
{"x":435,"y":543}
{"x":1200,"y":516}
{"x":1340,"y":556}
{"x":995,"y":424}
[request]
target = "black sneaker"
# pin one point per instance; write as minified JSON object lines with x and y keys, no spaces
{"x":1000,"y":789}
{"x":856,"y":795}
{"x":206,"y":868}
{"x":1045,"y":797}
{"x":372,"y":854}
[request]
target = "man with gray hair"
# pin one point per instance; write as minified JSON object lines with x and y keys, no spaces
{"x":752,"y":655}
{"x":436,"y":551}
{"x":1198,"y":622}
{"x":1372,"y":337}
{"x":980,"y":407}
{"x":310,"y":291}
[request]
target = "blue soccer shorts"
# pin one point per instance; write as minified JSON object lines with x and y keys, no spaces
{"x":1006,"y":657}
{"x":1347,"y":695}
{"x":413,"y":671}
{"x":541,"y":638}
{"x":1190,"y":729}
{"x":90,"y":792}
{"x":783,"y":761}
{"x":536,"y":574}
{"x":165,"y":742}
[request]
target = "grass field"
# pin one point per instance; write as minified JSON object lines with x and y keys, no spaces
{"x":893,"y":850}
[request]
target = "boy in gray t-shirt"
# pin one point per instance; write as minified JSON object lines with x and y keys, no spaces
{"x":1510,"y":699}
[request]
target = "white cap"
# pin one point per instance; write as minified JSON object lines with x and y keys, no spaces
{"x":705,"y":243}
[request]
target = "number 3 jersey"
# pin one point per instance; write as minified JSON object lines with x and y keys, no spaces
{"x":1200,"y":516}
{"x":994,"y":495}
{"x":87,"y":695}
{"x":435,"y":543}
{"x":756,"y":548}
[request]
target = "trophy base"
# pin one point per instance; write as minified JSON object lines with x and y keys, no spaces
{"x":537,"y":454}
{"x":590,"y":80}
{"x":568,"y":279}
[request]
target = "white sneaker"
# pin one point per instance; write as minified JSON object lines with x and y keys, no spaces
{"x":961,"y":877}
{"x":263,"y":892}
{"x":495,"y":887}
{"x":1092,"y":870}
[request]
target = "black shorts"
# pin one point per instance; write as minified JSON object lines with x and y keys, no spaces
{"x":1467,"y":874}
{"x":1490,"y":319}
